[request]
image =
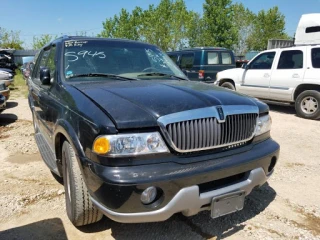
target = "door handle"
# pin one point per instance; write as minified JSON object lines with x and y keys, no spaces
{"x":295,"y":75}
{"x":208,"y":78}
{"x":266,"y":75}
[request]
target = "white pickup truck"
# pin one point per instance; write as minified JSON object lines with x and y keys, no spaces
{"x":290,"y":75}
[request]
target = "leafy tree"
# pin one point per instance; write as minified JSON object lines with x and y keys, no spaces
{"x":125,"y":25}
{"x":165,"y":25}
{"x":10,"y":39}
{"x":267,"y":25}
{"x":195,"y":30}
{"x":243,"y":21}
{"x":218,"y":28}
{"x":39,"y":42}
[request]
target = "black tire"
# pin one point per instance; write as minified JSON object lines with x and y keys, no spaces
{"x":228,"y":85}
{"x":302,"y":110}
{"x":80,"y":209}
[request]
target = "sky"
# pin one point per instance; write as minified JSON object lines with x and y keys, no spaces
{"x":67,"y":17}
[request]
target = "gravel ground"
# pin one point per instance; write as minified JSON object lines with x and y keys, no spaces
{"x":287,"y":207}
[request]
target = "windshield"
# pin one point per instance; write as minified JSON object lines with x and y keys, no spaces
{"x":122,"y":58}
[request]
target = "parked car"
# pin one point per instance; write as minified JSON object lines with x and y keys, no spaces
{"x":288,"y":75}
{"x":7,"y":59}
{"x":6,"y":77}
{"x":2,"y":103}
{"x":4,"y":90}
{"x":133,"y":139}
{"x":203,"y":63}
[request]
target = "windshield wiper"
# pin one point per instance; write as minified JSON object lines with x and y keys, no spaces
{"x":108,"y":75}
{"x":161,"y":74}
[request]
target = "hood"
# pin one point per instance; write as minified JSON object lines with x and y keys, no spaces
{"x":138,"y":104}
{"x":232,"y":71}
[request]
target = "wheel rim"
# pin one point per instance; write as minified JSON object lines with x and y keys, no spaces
{"x":309,"y":105}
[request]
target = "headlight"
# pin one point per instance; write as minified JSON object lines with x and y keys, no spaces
{"x":263,"y":125}
{"x":129,"y":144}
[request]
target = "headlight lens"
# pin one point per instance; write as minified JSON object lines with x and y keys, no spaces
{"x":129,"y":144}
{"x":263,"y":125}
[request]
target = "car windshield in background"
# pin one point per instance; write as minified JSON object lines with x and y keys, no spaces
{"x":96,"y":58}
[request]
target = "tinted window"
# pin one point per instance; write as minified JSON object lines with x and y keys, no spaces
{"x":313,"y":29}
{"x":263,"y":61}
{"x":315,"y":53}
{"x":226,"y":58}
{"x":50,"y":63}
{"x":174,"y":58}
{"x":187,"y":60}
{"x":291,"y":60}
{"x":43,"y":62}
{"x":213,"y":58}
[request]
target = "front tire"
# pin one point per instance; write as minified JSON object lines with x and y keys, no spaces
{"x":308,"y":104}
{"x":80,"y":209}
{"x":228,"y":85}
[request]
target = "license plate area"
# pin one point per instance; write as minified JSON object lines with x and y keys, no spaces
{"x":228,"y":203}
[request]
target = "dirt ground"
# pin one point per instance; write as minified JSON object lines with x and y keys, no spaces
{"x":288,"y":207}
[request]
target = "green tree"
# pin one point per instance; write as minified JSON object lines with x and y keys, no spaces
{"x":267,"y":25}
{"x":165,"y":25}
{"x":218,"y":27}
{"x":195,"y":30}
{"x":10,"y":39}
{"x":125,"y":25}
{"x":39,"y":42}
{"x":243,"y":21}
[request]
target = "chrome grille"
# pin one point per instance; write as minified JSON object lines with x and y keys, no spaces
{"x":208,"y":133}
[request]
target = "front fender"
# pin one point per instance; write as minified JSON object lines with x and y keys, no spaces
{"x":65,"y":128}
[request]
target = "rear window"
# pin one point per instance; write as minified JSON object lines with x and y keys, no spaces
{"x":315,"y":53}
{"x":187,"y":60}
{"x":213,"y":58}
{"x":226,"y":58}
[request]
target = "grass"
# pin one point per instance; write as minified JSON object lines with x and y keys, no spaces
{"x":18,"y":89}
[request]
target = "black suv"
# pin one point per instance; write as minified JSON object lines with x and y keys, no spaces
{"x":203,"y":63}
{"x":135,"y":140}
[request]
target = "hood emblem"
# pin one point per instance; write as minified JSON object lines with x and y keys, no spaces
{"x":220,"y":112}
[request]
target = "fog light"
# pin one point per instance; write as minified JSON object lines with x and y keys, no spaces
{"x":149,"y":195}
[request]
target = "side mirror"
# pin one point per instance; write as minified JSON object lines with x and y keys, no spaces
{"x":45,"y":76}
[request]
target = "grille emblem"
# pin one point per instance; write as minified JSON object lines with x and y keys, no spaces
{"x":220,"y":112}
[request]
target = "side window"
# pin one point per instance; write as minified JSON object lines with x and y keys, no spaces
{"x":292,"y":59}
{"x":263,"y":61}
{"x":315,"y":57}
{"x":226,"y":58}
{"x":51,"y":63}
{"x":174,"y":58}
{"x":213,"y":58}
{"x":43,"y":62}
{"x":187,"y":60}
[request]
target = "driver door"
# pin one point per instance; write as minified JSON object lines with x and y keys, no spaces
{"x":255,"y":80}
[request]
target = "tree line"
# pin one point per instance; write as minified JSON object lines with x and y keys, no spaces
{"x":171,"y":26}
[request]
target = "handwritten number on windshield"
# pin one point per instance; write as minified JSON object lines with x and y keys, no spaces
{"x":74,"y":56}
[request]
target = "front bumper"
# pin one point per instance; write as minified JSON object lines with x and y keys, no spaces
{"x":187,"y":188}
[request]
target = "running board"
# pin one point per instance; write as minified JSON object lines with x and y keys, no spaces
{"x":46,"y":152}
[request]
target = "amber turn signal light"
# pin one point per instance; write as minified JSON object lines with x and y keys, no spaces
{"x":101,"y":145}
